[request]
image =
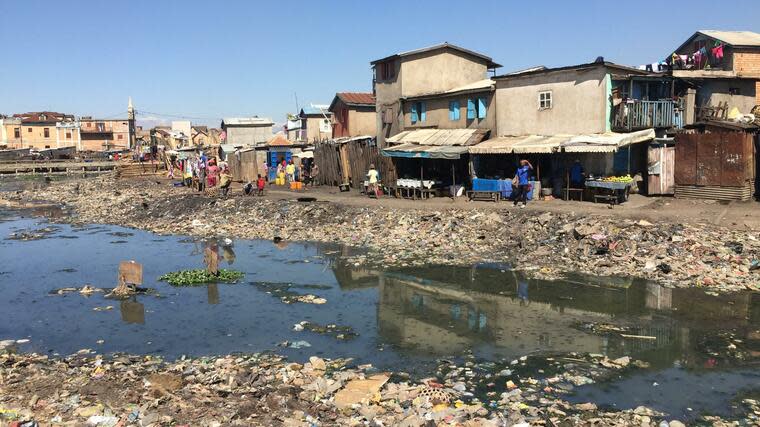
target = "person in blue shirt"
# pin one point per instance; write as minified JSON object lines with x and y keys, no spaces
{"x":576,"y":175}
{"x":523,"y":186}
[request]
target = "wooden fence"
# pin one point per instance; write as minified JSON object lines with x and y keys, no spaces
{"x":348,"y":162}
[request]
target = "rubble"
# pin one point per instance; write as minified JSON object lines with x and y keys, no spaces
{"x":546,"y":245}
{"x":267,"y":389}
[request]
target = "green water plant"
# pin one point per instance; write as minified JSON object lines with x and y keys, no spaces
{"x":200,"y":276}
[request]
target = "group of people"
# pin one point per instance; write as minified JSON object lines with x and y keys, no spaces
{"x":200,"y":172}
{"x":289,"y":172}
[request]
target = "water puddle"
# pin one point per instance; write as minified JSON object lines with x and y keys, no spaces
{"x":305,"y":299}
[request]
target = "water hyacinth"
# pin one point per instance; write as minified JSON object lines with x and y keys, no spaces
{"x":200,"y":276}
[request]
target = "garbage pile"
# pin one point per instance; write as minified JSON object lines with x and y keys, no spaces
{"x":264,"y":389}
{"x":546,"y":245}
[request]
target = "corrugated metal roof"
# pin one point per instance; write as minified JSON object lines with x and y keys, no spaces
{"x":450,"y":137}
{"x":445,"y":45}
{"x":357,"y":98}
{"x":734,"y":38}
{"x":480,"y":85}
{"x":315,"y":111}
{"x":520,"y":144}
{"x":592,"y":143}
{"x":279,"y":140}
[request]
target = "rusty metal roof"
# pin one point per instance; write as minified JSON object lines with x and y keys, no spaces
{"x":356,"y":98}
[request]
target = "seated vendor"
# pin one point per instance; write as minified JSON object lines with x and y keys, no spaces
{"x":577,"y":175}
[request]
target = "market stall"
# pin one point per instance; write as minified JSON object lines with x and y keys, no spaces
{"x":431,"y":161}
{"x":613,"y":190}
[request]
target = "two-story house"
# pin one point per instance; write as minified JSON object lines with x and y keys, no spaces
{"x":416,"y":89}
{"x":104,"y":134}
{"x":353,"y":114}
{"x":48,"y":129}
{"x":722,"y":69}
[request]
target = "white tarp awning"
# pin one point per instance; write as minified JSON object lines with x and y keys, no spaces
{"x":525,"y":144}
{"x":606,"y":142}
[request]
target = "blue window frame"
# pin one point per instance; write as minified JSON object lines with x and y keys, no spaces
{"x":418,"y":112}
{"x":477,"y":108}
{"x":454,"y":110}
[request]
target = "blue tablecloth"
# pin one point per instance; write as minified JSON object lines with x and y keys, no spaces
{"x":503,"y":186}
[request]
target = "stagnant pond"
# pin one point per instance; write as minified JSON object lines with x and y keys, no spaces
{"x":401,"y":319}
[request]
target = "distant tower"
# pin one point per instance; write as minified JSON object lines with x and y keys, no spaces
{"x":131,"y":120}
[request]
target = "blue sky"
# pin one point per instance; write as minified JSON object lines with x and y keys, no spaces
{"x":207,"y":60}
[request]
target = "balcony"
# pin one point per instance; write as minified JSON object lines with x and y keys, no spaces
{"x":634,"y":114}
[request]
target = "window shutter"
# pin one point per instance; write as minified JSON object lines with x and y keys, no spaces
{"x":470,"y":109}
{"x":423,"y":114}
{"x":481,"y":108}
{"x":414,"y":113}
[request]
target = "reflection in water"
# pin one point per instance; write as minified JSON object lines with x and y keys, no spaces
{"x":447,"y":310}
{"x":213,"y":293}
{"x":132,"y":311}
{"x":228,"y":254}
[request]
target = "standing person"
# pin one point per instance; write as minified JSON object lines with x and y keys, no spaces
{"x":576,"y":175}
{"x":201,"y":173}
{"x":187,"y":173}
{"x":265,"y":169}
{"x":212,"y":171}
{"x":260,"y":184}
{"x":523,"y":187}
{"x":314,"y":174}
{"x":290,"y":172}
{"x":373,"y":176}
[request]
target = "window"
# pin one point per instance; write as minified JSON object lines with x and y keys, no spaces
{"x":29,"y":130}
{"x":545,"y":100}
{"x":477,"y":108}
{"x":387,"y":70}
{"x":418,"y":112}
{"x":17,"y":132}
{"x":454,"y":110}
{"x":121,"y":136}
{"x":47,"y":132}
{"x":68,"y":135}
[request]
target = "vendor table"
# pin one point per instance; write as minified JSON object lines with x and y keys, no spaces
{"x":609,"y":191}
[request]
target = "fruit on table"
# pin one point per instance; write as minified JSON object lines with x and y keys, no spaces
{"x":626,"y":178}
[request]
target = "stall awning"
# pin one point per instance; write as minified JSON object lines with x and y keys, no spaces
{"x":520,"y":144}
{"x":434,"y":143}
{"x":451,"y":152}
{"x":606,"y":142}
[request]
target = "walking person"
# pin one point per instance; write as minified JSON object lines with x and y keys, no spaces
{"x":314,"y":174}
{"x":290,"y":172}
{"x":523,"y":186}
{"x":373,"y":176}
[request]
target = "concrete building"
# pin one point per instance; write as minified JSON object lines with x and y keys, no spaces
{"x":247,"y":131}
{"x":723,"y":70}
{"x":316,"y":124}
{"x":104,"y":134}
{"x":40,"y":130}
{"x":430,"y":70}
{"x":10,"y":132}
{"x":353,"y":114}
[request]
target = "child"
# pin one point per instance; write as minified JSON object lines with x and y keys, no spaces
{"x":260,"y":184}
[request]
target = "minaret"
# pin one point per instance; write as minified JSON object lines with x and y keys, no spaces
{"x":131,"y":120}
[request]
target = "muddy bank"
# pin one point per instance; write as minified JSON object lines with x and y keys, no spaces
{"x":545,"y":244}
{"x":268,"y":390}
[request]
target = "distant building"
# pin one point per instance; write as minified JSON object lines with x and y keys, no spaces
{"x":353,"y":114}
{"x":10,"y":132}
{"x":316,"y":124}
{"x":247,"y":131}
{"x":104,"y":134}
{"x":48,"y":129}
